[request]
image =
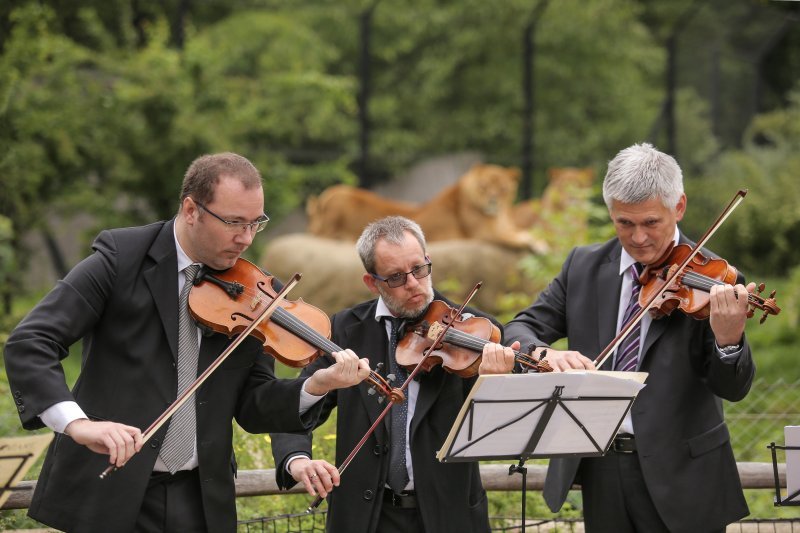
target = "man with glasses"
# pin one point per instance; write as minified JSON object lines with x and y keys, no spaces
{"x":395,"y":482}
{"x":127,"y":302}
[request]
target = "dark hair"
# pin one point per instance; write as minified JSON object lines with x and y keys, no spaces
{"x":203,"y":174}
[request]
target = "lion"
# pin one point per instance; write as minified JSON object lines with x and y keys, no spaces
{"x":477,"y":206}
{"x":563,"y":185}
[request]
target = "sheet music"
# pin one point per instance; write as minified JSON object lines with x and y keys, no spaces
{"x":792,"y":439}
{"x":499,"y":416}
{"x":17,"y":455}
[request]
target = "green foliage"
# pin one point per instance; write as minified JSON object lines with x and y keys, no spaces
{"x":762,"y":237}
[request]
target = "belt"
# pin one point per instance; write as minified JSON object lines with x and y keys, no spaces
{"x":404,"y":500}
{"x":158,"y":478}
{"x":624,"y":444}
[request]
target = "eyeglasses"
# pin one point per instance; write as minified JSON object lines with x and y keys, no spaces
{"x":399,"y":279}
{"x":238,"y":227}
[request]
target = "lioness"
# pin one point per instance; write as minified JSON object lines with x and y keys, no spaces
{"x":477,"y":206}
{"x":563,"y":183}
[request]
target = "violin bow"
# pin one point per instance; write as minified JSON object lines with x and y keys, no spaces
{"x":191,"y":389}
{"x":373,"y":427}
{"x":628,"y":327}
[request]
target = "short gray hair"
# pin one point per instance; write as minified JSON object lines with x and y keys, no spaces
{"x":640,"y":173}
{"x":391,"y":229}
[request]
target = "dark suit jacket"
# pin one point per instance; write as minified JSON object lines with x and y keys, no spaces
{"x":123,"y":302}
{"x":682,"y":440}
{"x":450,"y":496}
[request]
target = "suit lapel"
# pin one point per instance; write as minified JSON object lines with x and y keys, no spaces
{"x":369,"y":340}
{"x":162,"y":281}
{"x":430,"y":386}
{"x":609,"y":283}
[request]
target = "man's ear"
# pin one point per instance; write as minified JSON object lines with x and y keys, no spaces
{"x":370,"y":282}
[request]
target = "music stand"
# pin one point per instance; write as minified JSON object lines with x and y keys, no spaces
{"x":540,"y":415}
{"x":792,"y":441}
{"x":17,"y":455}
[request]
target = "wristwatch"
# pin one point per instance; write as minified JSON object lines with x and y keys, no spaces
{"x":727,"y":350}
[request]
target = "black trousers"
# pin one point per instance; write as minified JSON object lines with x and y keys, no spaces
{"x":172,"y":504}
{"x":615,"y":497}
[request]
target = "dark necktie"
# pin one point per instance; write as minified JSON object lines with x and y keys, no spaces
{"x":398,"y":473}
{"x":628,"y":352}
{"x":179,"y":442}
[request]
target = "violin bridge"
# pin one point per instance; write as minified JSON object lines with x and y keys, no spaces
{"x":256,"y":302}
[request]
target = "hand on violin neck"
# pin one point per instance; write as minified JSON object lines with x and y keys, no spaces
{"x":728,"y":312}
{"x":348,"y":370}
{"x":497,"y":359}
{"x":560,"y":360}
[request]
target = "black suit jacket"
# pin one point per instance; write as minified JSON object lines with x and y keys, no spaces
{"x":451,"y":497}
{"x":682,"y":440}
{"x":122,"y":301}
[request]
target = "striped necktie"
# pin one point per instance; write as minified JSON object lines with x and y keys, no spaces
{"x":178,"y":445}
{"x":628,"y":352}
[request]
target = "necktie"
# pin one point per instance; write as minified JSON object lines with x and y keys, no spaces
{"x":398,"y":473}
{"x":179,"y":442}
{"x":628,"y":352}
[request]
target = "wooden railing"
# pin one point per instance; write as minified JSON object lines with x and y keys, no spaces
{"x":494,"y":477}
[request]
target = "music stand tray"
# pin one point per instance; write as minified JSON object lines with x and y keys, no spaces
{"x":17,"y":456}
{"x":541,"y":415}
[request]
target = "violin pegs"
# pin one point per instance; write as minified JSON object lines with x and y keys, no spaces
{"x":760,"y":288}
{"x":390,"y":378}
{"x":750,"y":312}
{"x":763,"y":317}
{"x":772,"y":294}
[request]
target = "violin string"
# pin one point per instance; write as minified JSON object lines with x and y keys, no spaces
{"x":699,"y":281}
{"x":475,"y":343}
{"x":287,"y":320}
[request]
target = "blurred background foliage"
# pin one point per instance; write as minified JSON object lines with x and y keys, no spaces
{"x":103,"y":105}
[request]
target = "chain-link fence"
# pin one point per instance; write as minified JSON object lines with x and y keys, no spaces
{"x":315,"y":523}
{"x":759,"y":419}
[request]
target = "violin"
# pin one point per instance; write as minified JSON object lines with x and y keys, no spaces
{"x":241,"y":301}
{"x":296,"y":332}
{"x":459,"y":351}
{"x":690,"y":290}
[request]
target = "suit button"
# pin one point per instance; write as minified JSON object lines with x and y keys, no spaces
{"x":19,"y":401}
{"x":21,"y":408}
{"x":17,"y":394}
{"x":154,"y":443}
{"x":368,"y":495}
{"x":377,"y":449}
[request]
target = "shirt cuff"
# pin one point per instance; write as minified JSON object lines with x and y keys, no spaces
{"x":292,"y":458}
{"x":307,"y":400}
{"x":58,"y":416}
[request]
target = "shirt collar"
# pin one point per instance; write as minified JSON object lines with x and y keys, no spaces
{"x":625,"y":260}
{"x":183,"y":259}
{"x":381,"y":311}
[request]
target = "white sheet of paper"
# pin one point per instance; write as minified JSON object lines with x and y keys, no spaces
{"x":792,"y":438}
{"x":508,"y":407}
{"x":17,"y":455}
